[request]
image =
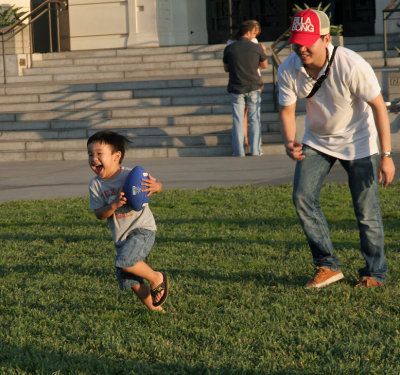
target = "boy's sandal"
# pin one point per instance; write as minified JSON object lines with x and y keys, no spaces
{"x":163,"y":286}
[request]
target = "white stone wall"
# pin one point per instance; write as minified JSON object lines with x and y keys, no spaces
{"x":136,"y":23}
{"x":98,"y":25}
{"x":142,"y":23}
{"x":25,"y":4}
{"x":182,"y":22}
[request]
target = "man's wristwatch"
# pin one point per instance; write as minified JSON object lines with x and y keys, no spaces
{"x":387,"y":153}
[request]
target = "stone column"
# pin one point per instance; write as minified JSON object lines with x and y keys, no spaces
{"x":142,"y":23}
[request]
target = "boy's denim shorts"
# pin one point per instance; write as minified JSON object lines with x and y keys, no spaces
{"x":136,"y":247}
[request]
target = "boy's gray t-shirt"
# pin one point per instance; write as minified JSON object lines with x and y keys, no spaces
{"x":125,"y":219}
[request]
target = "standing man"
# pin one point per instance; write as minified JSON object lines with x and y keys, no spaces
{"x":345,"y":117}
{"x":242,"y":59}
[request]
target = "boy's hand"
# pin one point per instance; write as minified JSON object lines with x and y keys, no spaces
{"x":153,"y":185}
{"x":106,"y":211}
{"x":120,"y":199}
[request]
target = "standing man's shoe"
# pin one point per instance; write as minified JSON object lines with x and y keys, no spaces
{"x":369,"y":282}
{"x":324,"y":276}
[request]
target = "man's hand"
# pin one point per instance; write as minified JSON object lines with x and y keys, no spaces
{"x":294,"y":150}
{"x":153,"y":185}
{"x":386,"y":170}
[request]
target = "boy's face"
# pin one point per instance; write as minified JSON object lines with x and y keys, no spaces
{"x":103,"y":160}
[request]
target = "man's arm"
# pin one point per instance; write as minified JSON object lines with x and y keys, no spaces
{"x":263,"y":65}
{"x":226,"y":68}
{"x":386,"y":166}
{"x":288,"y":122}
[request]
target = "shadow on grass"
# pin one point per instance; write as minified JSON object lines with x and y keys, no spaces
{"x":29,"y":360}
{"x":219,"y":224}
{"x":261,"y":278}
{"x":22,"y":237}
{"x":66,"y":270}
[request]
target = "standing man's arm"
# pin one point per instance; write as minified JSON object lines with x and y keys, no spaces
{"x":386,"y":166}
{"x":226,"y":68}
{"x":263,"y":65}
{"x":288,"y":121}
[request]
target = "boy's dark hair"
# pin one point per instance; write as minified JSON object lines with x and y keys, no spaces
{"x":118,"y":141}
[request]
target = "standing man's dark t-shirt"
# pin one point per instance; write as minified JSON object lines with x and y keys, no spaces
{"x":243,"y":58}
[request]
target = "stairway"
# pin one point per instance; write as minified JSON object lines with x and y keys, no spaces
{"x":169,"y":101}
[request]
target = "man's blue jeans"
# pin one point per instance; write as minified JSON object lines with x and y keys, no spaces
{"x":253,"y":101}
{"x":363,"y":182}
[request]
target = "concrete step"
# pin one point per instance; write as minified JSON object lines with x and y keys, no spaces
{"x":121,"y":71}
{"x":123,"y":64}
{"x":115,"y":76}
{"x":118,"y":85}
{"x":372,"y":42}
{"x":214,"y":85}
{"x":149,"y":141}
{"x":153,"y":141}
{"x":161,"y":68}
{"x":186,"y":59}
{"x":119,"y":99}
{"x":124,"y":52}
{"x":194,"y":124}
{"x":152,"y":113}
{"x":272,"y":148}
{"x":162,"y":137}
{"x":27,"y":131}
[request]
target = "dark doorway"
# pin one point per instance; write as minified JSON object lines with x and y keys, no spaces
{"x":223,"y":16}
{"x":46,"y":26}
{"x":273,"y":17}
{"x":356,"y":16}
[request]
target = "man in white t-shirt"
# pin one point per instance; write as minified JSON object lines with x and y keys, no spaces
{"x":346,"y":116}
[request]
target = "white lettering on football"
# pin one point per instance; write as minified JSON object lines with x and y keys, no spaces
{"x":136,"y":190}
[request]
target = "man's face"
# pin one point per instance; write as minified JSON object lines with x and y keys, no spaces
{"x":314,"y":54}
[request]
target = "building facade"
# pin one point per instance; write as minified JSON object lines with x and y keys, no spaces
{"x":103,"y":24}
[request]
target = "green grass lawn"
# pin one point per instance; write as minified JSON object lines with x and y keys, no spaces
{"x":237,"y":261}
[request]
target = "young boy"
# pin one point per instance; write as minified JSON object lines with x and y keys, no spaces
{"x":133,"y":232}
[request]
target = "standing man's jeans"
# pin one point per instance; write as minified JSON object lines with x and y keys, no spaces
{"x":363,"y":182}
{"x":253,"y":101}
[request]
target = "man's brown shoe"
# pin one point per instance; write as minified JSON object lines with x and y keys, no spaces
{"x":324,"y":276}
{"x":368,"y":282}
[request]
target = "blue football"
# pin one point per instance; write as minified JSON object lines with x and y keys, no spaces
{"x":133,"y":188}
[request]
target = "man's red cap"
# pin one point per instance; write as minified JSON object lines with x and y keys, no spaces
{"x":307,"y":26}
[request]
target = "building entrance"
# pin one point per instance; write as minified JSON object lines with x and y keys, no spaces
{"x":223,"y":16}
{"x":45,"y":36}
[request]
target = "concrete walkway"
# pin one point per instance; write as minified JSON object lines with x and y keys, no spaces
{"x":62,"y":179}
